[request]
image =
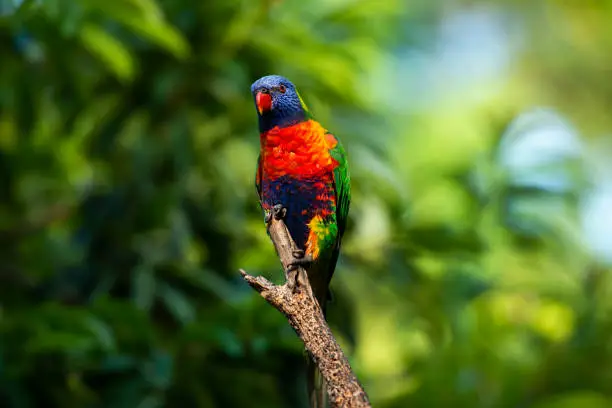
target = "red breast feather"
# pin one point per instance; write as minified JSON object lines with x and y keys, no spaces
{"x":300,"y":151}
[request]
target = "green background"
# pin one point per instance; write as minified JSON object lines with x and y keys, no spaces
{"x":476,"y":266}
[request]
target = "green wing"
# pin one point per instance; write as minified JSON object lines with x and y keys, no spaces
{"x":342,"y":187}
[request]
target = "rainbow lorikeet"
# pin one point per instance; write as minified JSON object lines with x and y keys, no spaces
{"x":302,"y":173}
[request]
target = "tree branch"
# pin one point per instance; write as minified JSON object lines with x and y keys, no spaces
{"x":295,"y":300}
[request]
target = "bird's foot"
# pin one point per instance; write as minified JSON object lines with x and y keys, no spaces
{"x":299,"y":259}
{"x":278,"y":212}
{"x":296,"y":277}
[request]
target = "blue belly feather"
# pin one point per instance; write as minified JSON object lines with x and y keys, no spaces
{"x":300,"y":199}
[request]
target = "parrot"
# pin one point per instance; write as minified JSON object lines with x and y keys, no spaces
{"x":302,"y":176}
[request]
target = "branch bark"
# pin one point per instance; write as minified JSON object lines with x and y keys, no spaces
{"x":295,"y":300}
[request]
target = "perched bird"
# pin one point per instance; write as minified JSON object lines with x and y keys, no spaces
{"x":302,"y":171}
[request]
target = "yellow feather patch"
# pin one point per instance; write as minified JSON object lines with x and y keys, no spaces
{"x":318,"y":230}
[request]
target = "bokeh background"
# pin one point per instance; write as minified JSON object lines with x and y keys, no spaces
{"x":476,"y":269}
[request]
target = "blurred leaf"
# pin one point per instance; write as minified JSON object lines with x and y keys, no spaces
{"x":157,"y":31}
{"x":109,"y":50}
{"x":103,"y":333}
{"x":159,"y":370}
{"x":176,"y":302}
{"x":144,"y":287}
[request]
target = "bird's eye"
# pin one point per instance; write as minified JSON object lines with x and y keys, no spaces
{"x":282,"y":88}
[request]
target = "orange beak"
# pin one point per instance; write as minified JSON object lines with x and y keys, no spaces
{"x":263,"y":102}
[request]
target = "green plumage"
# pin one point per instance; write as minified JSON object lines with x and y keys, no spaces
{"x":342,"y":187}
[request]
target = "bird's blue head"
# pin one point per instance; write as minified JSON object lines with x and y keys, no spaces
{"x":278,"y":102}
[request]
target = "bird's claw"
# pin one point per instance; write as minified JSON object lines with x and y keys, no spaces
{"x":296,"y":277}
{"x":299,"y":259}
{"x":278,"y":212}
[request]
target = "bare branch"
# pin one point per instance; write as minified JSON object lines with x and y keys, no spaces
{"x":295,"y":300}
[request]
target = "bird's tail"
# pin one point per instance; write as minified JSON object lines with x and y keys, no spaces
{"x":317,"y":392}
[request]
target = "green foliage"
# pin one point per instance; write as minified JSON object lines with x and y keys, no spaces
{"x":127,"y":154}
